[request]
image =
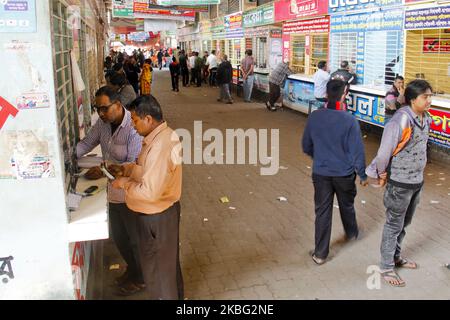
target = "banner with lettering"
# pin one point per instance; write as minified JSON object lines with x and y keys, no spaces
{"x":351,"y":5}
{"x":429,"y":18}
{"x":440,"y":128}
{"x":286,"y":10}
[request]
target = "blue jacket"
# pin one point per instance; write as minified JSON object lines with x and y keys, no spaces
{"x":333,"y":139}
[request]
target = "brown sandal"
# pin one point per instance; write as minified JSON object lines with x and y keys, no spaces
{"x":407,"y":264}
{"x":391,"y":274}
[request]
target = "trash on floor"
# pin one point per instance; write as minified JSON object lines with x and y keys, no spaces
{"x":438,"y":184}
{"x":224,"y":200}
{"x":252,"y":192}
{"x":209,"y":178}
{"x":232,"y":208}
{"x":114,"y":267}
{"x":283,"y":168}
{"x":282,"y":199}
{"x":205,"y":220}
{"x":365,"y":136}
{"x":308,"y":167}
{"x":442,"y":179}
{"x":363,"y":201}
{"x":434,"y":202}
{"x":429,"y":174}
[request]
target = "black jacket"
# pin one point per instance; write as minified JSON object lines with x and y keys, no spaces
{"x":344,"y":75}
{"x":224,"y":73}
{"x":174,"y":69}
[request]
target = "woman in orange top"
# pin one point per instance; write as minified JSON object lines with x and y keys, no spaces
{"x":146,"y":78}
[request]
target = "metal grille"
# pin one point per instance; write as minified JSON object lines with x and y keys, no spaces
{"x":298,"y":54}
{"x":319,"y":51}
{"x":343,"y":47}
{"x":233,"y":6}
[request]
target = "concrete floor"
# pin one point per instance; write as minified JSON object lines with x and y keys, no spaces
{"x":260,"y":249}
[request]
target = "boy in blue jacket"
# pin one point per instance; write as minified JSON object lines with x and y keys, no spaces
{"x":333,"y":139}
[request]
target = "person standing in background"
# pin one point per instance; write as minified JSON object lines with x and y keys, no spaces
{"x":321,"y":78}
{"x":395,"y":99}
{"x":247,"y":67}
{"x":175,"y":74}
{"x":224,"y":77}
{"x":146,"y":78}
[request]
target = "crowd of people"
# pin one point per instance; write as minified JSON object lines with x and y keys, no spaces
{"x":144,"y":197}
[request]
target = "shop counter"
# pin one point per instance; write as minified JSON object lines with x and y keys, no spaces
{"x":90,"y":220}
{"x":366,"y":103}
{"x":262,"y":79}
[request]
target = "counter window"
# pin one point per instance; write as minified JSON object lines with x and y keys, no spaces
{"x":319,"y":50}
{"x":343,"y":47}
{"x":261,"y":53}
{"x":383,"y":57}
{"x":428,"y":57}
{"x":67,"y":110}
{"x":298,"y":54}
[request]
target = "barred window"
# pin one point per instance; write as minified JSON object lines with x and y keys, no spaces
{"x":233,"y":6}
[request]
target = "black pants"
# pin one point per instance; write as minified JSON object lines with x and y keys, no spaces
{"x":175,"y":80}
{"x":160,"y":65}
{"x":324,"y":190}
{"x":193,"y":75}
{"x":160,"y":254}
{"x":274,"y":93}
{"x":185,"y":76}
{"x":125,"y":235}
{"x":212,"y":77}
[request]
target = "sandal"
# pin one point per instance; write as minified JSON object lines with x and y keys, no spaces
{"x":316,"y":260}
{"x":391,"y":276}
{"x":407,"y":264}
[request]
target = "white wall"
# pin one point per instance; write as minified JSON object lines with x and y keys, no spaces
{"x":33,"y":227}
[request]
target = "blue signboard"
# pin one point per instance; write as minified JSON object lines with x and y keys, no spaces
{"x":366,"y":107}
{"x":17,"y":16}
{"x":372,"y":21}
{"x":429,"y":18}
{"x":349,"y":5}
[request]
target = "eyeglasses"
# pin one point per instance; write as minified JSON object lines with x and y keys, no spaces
{"x":103,"y":109}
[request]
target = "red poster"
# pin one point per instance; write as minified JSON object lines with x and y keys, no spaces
{"x":431,"y":45}
{"x":440,"y":127}
{"x":286,"y":10}
{"x":141,"y":7}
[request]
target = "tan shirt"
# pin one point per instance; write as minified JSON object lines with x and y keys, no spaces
{"x":155,"y":181}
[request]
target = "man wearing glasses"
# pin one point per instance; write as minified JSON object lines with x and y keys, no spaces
{"x":120,"y":143}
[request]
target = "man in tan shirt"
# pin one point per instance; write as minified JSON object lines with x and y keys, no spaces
{"x":152,"y":191}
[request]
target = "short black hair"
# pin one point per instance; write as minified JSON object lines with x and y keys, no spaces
{"x":249,"y":52}
{"x":344,"y":64}
{"x":118,"y":66}
{"x":399,"y":77}
{"x":321,"y":64}
{"x":213,"y":51}
{"x":416,"y":88}
{"x":335,"y":89}
{"x":146,"y":106}
{"x":118,"y":79}
{"x":108,"y":92}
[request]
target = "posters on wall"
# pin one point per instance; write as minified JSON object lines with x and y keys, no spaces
{"x":429,"y":18}
{"x":440,"y":128}
{"x":26,"y":154}
{"x":142,"y":10}
{"x":299,"y":95}
{"x":18,"y":16}
{"x":436,"y":45}
{"x":184,"y":2}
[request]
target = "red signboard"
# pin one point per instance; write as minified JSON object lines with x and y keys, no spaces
{"x":440,"y":128}
{"x":6,"y":110}
{"x":435,"y":45}
{"x":141,"y":7}
{"x":286,"y":10}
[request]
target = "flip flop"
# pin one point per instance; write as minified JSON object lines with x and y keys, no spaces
{"x":393,"y":275}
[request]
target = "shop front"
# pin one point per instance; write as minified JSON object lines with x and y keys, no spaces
{"x":234,"y":38}
{"x":264,"y":38}
{"x":427,"y":56}
{"x":218,"y":36}
{"x":206,"y":36}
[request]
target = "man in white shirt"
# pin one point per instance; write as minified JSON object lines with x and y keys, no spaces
{"x":191,"y":67}
{"x":321,"y":78}
{"x":212,"y":64}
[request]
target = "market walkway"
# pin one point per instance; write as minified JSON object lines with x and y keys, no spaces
{"x":259,"y":250}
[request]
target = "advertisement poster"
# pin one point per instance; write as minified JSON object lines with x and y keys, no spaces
{"x":184,"y":2}
{"x":349,"y":5}
{"x":294,"y":9}
{"x":141,"y":10}
{"x":430,"y":18}
{"x":233,"y":25}
{"x":276,"y":52}
{"x":299,"y":95}
{"x":18,"y":16}
{"x":260,"y":16}
{"x":33,"y":100}
{"x":262,"y":82}
{"x":436,"y":45}
{"x":440,"y":128}
{"x":122,"y":9}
